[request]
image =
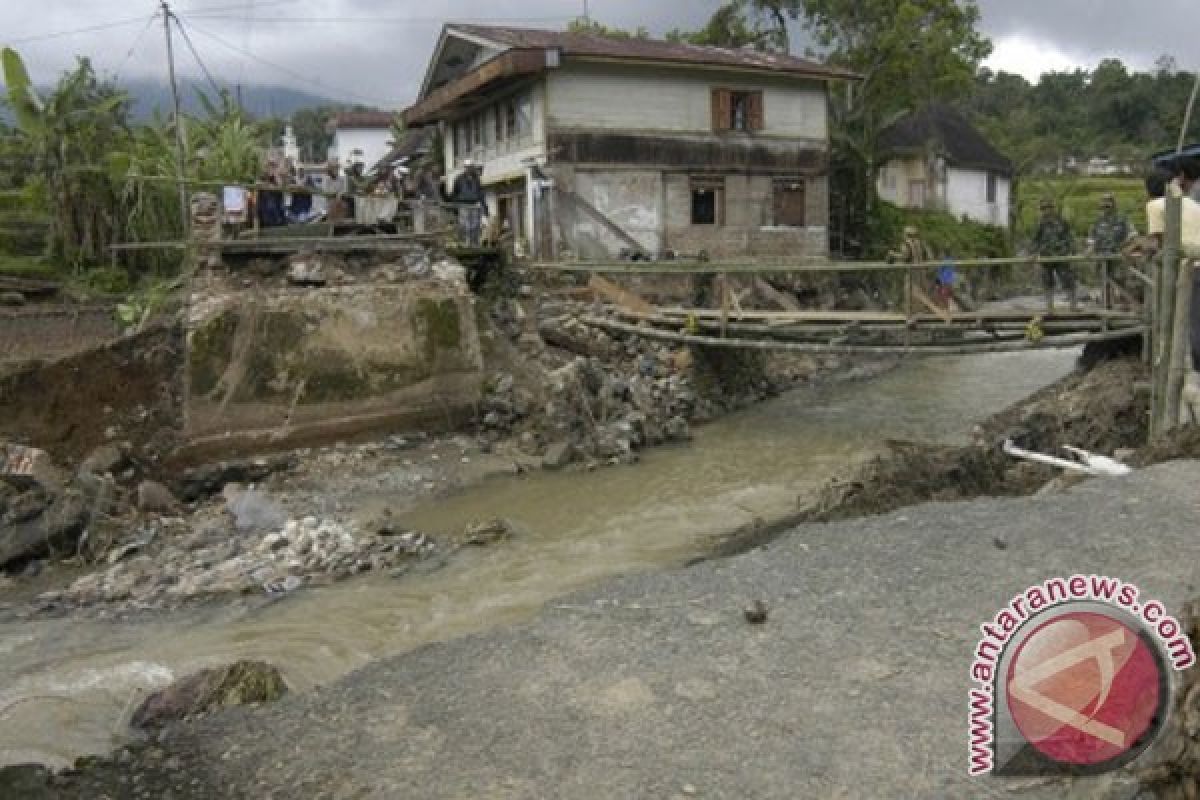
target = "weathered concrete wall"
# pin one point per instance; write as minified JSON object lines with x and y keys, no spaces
{"x":655,"y":98}
{"x":296,"y":365}
{"x":53,"y":331}
{"x":655,"y":209}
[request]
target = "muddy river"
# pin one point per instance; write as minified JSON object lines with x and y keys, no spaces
{"x":69,"y":685}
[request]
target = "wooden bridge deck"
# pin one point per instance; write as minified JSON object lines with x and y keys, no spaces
{"x":922,"y":327}
{"x":873,"y":332}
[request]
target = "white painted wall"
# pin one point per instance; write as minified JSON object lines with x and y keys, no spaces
{"x":507,"y":160}
{"x":966,"y":193}
{"x":641,"y":99}
{"x":372,"y":141}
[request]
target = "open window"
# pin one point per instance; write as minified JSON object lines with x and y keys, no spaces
{"x":708,"y":201}
{"x":789,"y":203}
{"x":735,"y":110}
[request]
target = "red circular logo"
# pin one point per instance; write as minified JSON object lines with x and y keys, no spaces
{"x":1085,"y":688}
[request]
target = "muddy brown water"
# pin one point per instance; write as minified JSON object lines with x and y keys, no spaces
{"x":69,"y":685}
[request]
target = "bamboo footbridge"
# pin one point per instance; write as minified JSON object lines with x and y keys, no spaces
{"x":923,"y":326}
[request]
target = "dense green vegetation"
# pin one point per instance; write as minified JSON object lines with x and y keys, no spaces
{"x":944,"y":234}
{"x":76,"y":176}
{"x":1107,"y":111}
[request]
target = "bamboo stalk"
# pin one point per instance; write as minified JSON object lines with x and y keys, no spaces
{"x":1172,"y":238}
{"x":1049,"y":342}
{"x":714,"y":267}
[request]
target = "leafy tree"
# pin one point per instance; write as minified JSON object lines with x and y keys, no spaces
{"x":909,"y":53}
{"x":728,"y":27}
{"x":595,"y":28}
{"x":76,"y":127}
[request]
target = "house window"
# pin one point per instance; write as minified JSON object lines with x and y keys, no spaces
{"x":889,"y":178}
{"x":524,"y":115}
{"x":476,"y":132}
{"x":708,"y":201}
{"x":510,"y":119}
{"x":737,"y":110}
{"x":789,"y":203}
{"x":991,"y":187}
{"x":461,"y":145}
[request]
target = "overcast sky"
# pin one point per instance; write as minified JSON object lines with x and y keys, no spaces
{"x":375,"y":52}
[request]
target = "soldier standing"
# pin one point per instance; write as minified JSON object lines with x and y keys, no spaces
{"x":1109,"y":233}
{"x":1053,"y":238}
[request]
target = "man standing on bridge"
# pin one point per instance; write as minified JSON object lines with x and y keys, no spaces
{"x":1053,"y":238}
{"x":1109,"y":233}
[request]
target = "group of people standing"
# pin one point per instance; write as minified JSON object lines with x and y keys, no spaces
{"x":1052,"y":240}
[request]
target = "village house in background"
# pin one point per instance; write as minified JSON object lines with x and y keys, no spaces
{"x":596,"y":146}
{"x":937,"y":160}
{"x":364,"y":136}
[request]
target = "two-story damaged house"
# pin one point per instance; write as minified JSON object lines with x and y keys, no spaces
{"x":594,"y":146}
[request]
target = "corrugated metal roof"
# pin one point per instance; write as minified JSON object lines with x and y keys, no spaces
{"x":587,"y":44}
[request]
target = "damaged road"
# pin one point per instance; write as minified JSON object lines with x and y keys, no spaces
{"x":854,"y":687}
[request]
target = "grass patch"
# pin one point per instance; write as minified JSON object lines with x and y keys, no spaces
{"x":1079,"y":199}
{"x":28,"y":267}
{"x":944,"y":233}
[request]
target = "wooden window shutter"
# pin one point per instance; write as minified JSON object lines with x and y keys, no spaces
{"x":755,"y":112}
{"x":722,"y":109}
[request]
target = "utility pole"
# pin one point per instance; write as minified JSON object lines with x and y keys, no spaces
{"x":180,"y":145}
{"x":586,"y":16}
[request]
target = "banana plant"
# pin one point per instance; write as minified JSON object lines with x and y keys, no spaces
{"x":71,"y":132}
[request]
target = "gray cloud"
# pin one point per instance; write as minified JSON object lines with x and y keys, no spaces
{"x":376,"y":52}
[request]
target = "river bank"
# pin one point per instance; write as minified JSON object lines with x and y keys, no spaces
{"x":77,"y":675}
{"x":632,"y":689}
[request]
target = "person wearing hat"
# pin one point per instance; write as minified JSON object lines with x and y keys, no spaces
{"x":1053,"y":238}
{"x":1109,"y":233}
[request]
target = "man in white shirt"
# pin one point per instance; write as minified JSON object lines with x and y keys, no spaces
{"x":1157,"y":186}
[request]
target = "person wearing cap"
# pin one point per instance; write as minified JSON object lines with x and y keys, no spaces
{"x":912,"y":250}
{"x":1108,"y":235}
{"x":1053,"y":239}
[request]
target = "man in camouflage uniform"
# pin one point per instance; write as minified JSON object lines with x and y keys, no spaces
{"x":1109,"y":233}
{"x":1053,"y":238}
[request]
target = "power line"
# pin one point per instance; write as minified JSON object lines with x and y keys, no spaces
{"x":386,"y":20}
{"x":205,"y":12}
{"x":133,"y":47}
{"x":287,"y":71}
{"x":90,"y":29}
{"x":192,"y":48}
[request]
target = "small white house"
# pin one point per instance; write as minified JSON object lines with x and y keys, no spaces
{"x":937,"y":160}
{"x":364,"y":136}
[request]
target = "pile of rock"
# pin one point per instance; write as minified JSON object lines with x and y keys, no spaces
{"x":213,"y":560}
{"x":594,"y":397}
{"x":43,"y":509}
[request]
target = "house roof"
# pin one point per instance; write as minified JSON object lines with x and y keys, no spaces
{"x":593,"y":45}
{"x":415,"y":142}
{"x":960,"y":142}
{"x":361,"y":119}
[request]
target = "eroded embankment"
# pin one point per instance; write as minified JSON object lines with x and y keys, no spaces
{"x":1099,"y":410}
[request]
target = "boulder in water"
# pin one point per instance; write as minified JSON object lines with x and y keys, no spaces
{"x":241,"y":683}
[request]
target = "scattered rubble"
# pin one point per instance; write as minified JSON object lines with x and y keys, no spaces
{"x":223,"y":559}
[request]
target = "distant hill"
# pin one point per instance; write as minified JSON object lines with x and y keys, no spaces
{"x":260,"y":100}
